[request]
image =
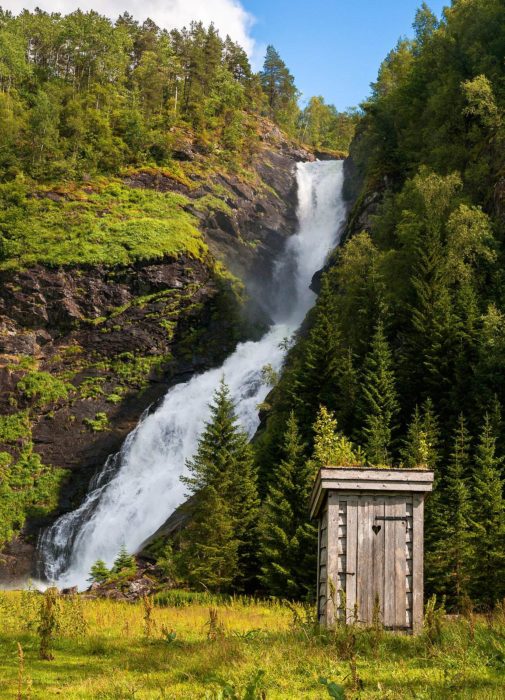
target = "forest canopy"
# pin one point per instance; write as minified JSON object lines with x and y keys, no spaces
{"x":405,"y":346}
{"x":80,"y":94}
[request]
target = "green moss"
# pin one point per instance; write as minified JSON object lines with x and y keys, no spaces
{"x":169,"y":326}
{"x":91,"y":387}
{"x":211,"y":203}
{"x":108,"y":223}
{"x":98,"y":424}
{"x":14,"y":427}
{"x":44,"y":388}
{"x":130,"y":370}
{"x":116,"y":397}
{"x":27,"y":488}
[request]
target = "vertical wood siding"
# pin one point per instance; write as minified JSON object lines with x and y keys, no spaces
{"x":365,"y":558}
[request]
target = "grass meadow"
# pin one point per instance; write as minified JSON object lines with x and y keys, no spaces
{"x":240,"y":650}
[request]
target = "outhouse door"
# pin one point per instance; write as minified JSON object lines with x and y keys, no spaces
{"x":375,"y":557}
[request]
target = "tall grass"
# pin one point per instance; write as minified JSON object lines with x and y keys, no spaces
{"x":107,"y":649}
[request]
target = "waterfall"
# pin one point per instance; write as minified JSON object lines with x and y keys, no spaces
{"x":140,"y":487}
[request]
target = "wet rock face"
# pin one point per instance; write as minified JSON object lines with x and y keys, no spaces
{"x":250,"y":230}
{"x":16,"y":562}
{"x":119,"y":337}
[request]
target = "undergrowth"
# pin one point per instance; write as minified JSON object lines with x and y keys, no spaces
{"x":238,"y":649}
{"x":103,"y":223}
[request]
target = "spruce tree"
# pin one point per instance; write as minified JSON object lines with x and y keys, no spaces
{"x":414,"y":452}
{"x":488,"y":521}
{"x":317,"y":379}
{"x":124,"y":563}
{"x":99,"y":572}
{"x":422,"y":450}
{"x":457,"y":545}
{"x":379,"y":404}
{"x":286,"y":536}
{"x":421,"y":447}
{"x":224,"y":461}
{"x":208,"y":556}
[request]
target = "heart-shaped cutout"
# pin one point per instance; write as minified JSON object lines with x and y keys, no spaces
{"x":376,"y":528}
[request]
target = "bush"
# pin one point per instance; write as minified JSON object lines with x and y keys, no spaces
{"x":99,"y":572}
{"x":97,"y":424}
{"x":124,"y":564}
{"x":44,"y":388}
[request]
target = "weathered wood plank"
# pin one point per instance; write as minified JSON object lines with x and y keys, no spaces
{"x":332,"y":558}
{"x":364,"y":475}
{"x":318,"y":567}
{"x":363,"y":480}
{"x":400,"y":564}
{"x":342,"y":556}
{"x":383,"y":486}
{"x":417,"y":563}
{"x":378,"y":553}
{"x":389,"y":565}
{"x":351,"y":547}
{"x":364,"y":572}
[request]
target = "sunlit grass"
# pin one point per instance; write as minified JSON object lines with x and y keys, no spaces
{"x":101,"y":651}
{"x":108,"y":223}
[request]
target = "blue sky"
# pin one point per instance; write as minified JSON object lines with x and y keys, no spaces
{"x":334,"y":47}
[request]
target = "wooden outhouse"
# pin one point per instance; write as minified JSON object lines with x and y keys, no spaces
{"x":370,"y":551}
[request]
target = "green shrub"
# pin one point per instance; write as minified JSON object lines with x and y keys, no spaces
{"x":14,"y":427}
{"x":99,"y":572}
{"x":44,"y":388}
{"x":98,"y":424}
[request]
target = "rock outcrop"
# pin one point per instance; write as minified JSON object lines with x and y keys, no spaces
{"x":117,"y":337}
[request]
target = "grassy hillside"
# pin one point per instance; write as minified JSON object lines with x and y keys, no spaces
{"x":101,"y":223}
{"x":105,"y":649}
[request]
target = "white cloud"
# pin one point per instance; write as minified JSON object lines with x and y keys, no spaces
{"x":229,"y":16}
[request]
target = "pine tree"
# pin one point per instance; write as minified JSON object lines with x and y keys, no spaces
{"x":317,"y":379}
{"x":457,"y":545}
{"x":287,"y":538}
{"x":379,"y":404}
{"x":208,"y":557}
{"x":99,"y":572}
{"x":488,"y":521}
{"x":415,"y":451}
{"x":279,"y":86}
{"x":124,"y":563}
{"x":224,"y":462}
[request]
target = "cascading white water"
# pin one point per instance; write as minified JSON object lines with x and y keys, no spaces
{"x":140,"y":487}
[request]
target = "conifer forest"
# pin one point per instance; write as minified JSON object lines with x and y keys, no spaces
{"x":214,"y":285}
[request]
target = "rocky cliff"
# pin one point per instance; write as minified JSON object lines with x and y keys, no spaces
{"x":86,"y":349}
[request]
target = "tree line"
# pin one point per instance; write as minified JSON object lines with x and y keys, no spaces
{"x":81,"y":95}
{"x":402,"y":360}
{"x":405,"y":344}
